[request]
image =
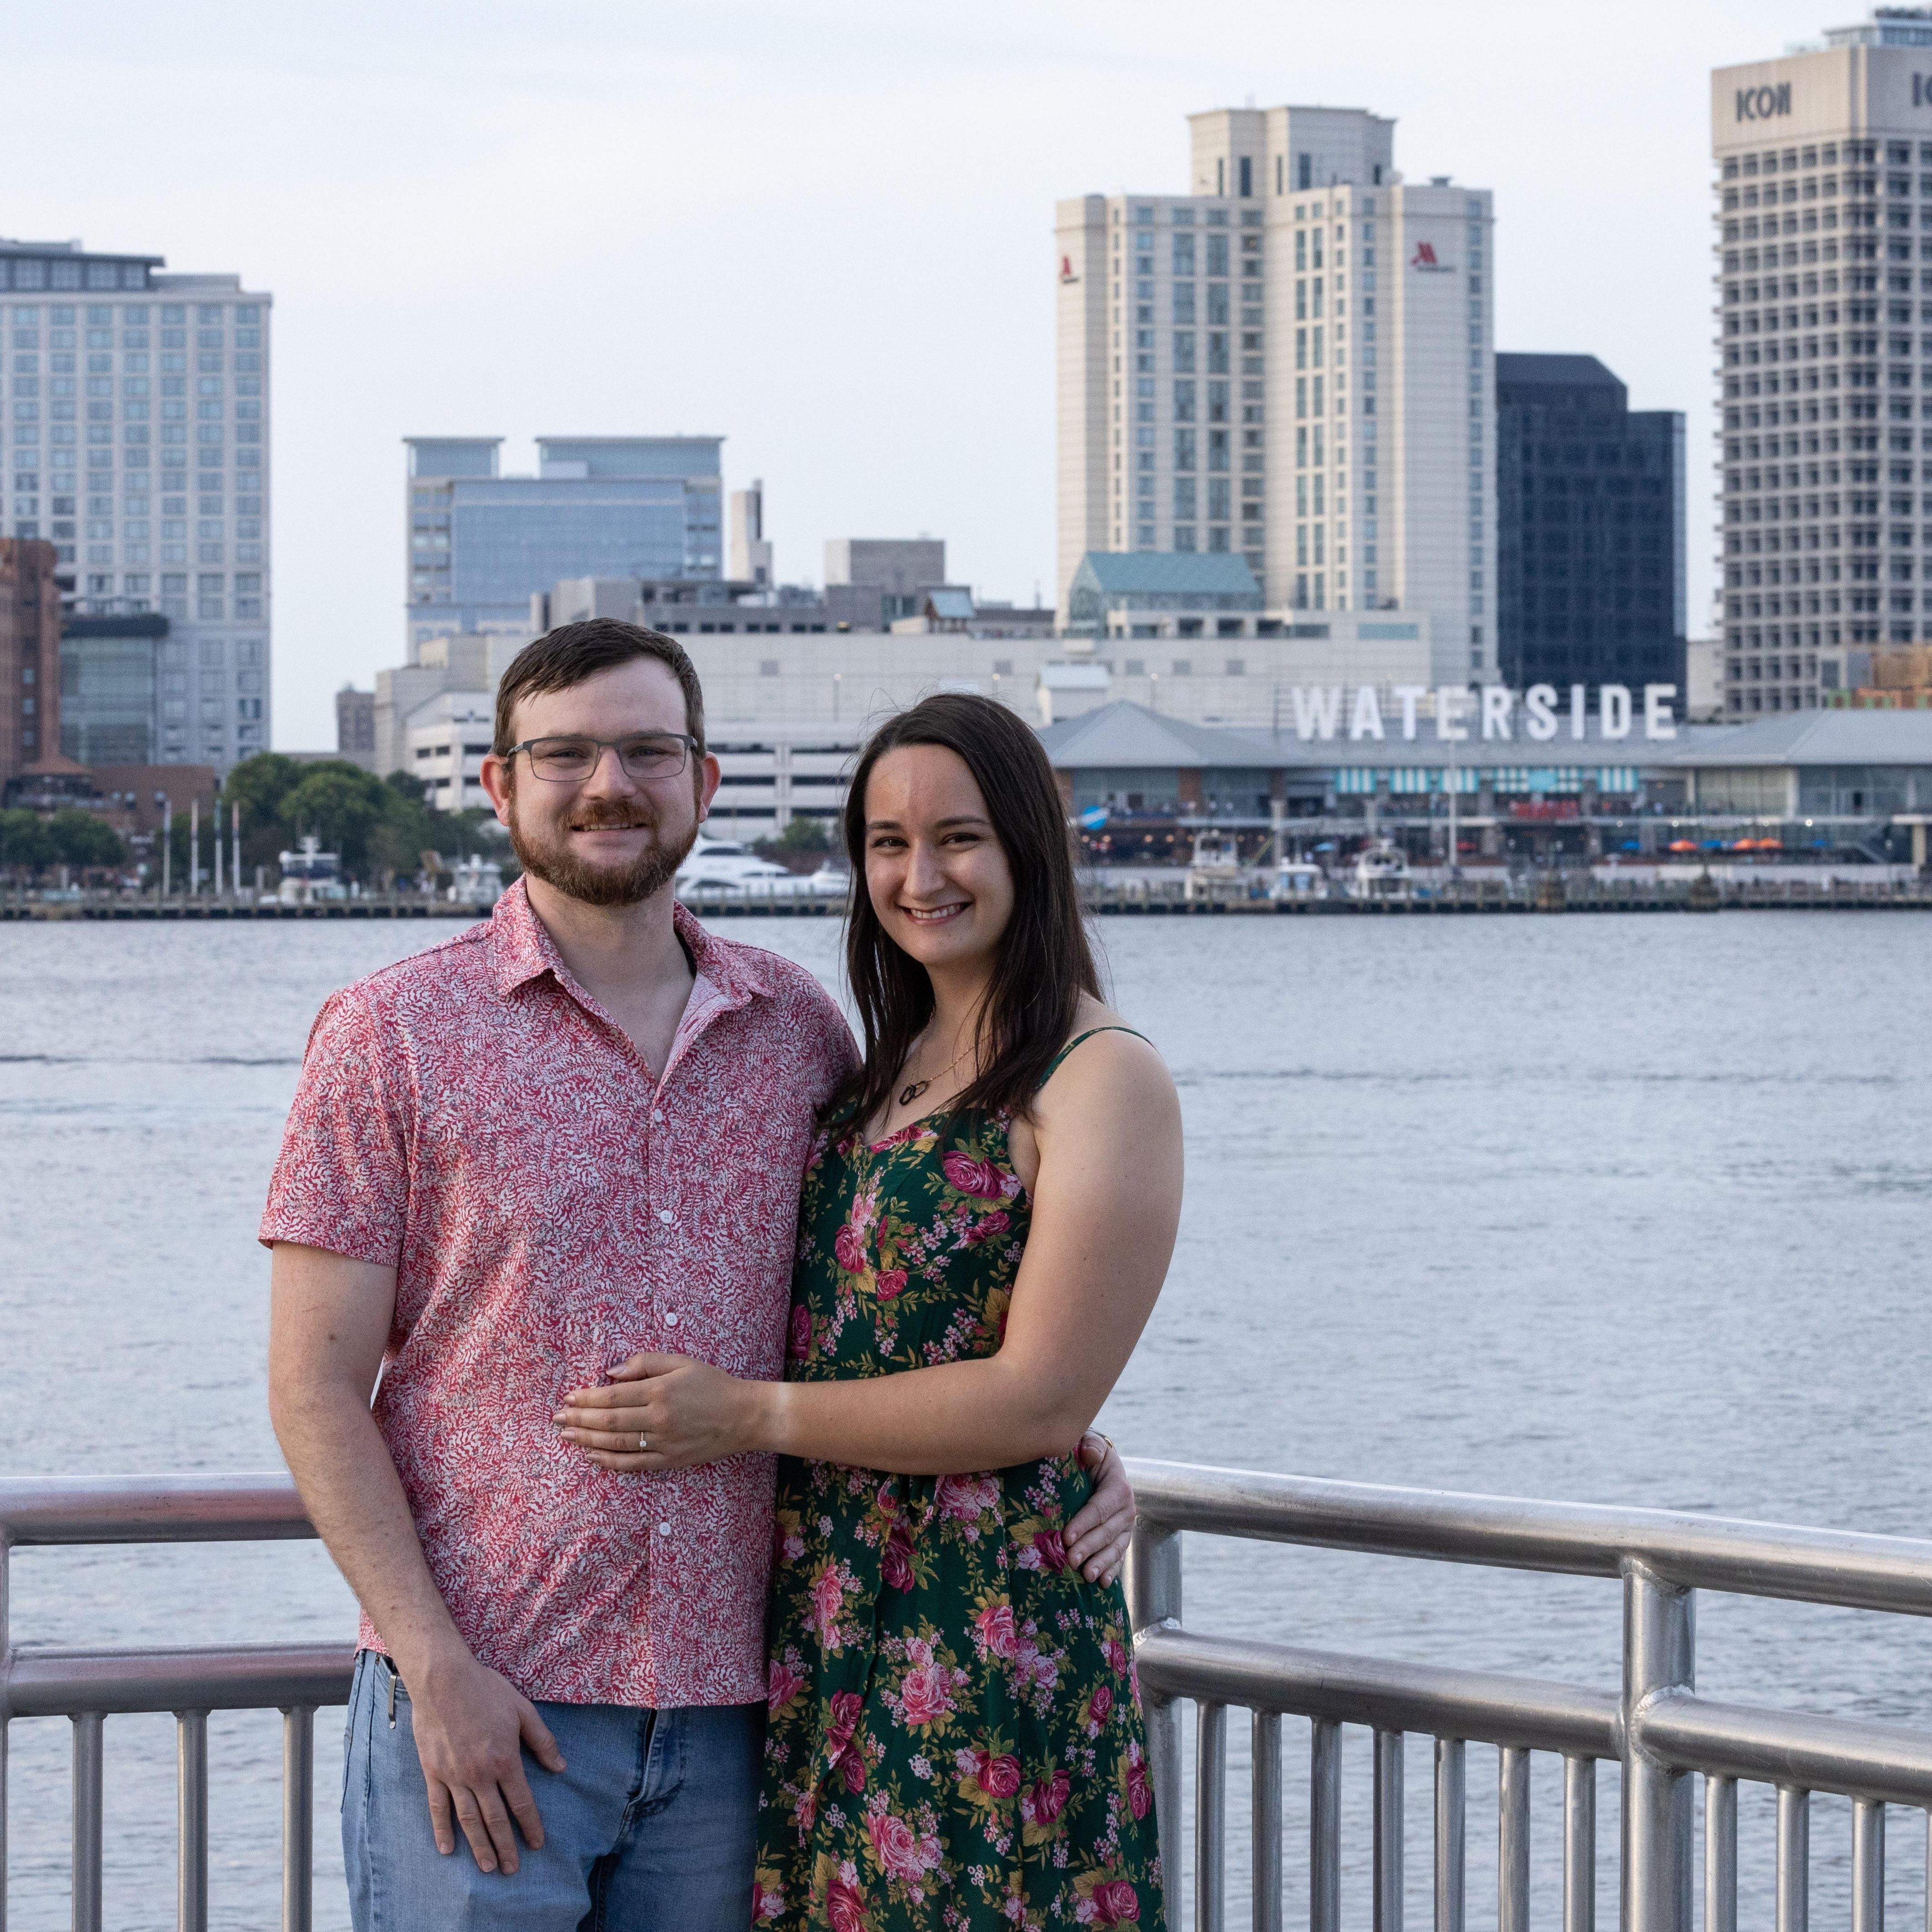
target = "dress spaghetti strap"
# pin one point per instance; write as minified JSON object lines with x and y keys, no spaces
{"x":1078,"y":1039}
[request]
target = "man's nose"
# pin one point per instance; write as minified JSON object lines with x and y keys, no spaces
{"x":608,"y":778}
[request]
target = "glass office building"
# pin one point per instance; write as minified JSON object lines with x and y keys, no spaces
{"x":109,"y":688}
{"x":481,"y":544}
{"x":1590,"y":528}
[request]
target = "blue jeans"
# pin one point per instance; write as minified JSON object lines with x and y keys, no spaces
{"x":651,"y":1827}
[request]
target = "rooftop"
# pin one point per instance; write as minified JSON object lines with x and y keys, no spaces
{"x":1204,"y":573}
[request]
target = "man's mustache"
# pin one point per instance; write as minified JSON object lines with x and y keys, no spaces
{"x":612,"y":818}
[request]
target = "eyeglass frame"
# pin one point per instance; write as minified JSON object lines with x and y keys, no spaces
{"x":690,"y":745}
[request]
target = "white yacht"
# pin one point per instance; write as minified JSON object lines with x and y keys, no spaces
{"x":721,"y":868}
{"x":1216,"y":865}
{"x":1381,"y":872}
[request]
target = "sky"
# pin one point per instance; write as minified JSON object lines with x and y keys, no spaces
{"x":823,"y":231}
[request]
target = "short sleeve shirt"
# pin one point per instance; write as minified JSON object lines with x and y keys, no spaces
{"x":472,"y":1118}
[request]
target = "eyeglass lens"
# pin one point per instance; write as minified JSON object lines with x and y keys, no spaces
{"x":566,"y":758}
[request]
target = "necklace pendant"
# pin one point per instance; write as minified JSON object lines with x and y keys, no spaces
{"x":907,"y":1095}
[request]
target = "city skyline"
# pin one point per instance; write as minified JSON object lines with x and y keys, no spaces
{"x":875,"y":341}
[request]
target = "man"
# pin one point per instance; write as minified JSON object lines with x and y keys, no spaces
{"x":574,"y":1134}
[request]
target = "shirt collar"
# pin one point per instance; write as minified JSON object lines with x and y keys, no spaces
{"x":522,"y":950}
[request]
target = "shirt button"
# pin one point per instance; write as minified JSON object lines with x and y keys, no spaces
{"x":665,"y":1215}
{"x":664,"y":1529}
{"x":657,"y":1117}
{"x":671,"y":1320}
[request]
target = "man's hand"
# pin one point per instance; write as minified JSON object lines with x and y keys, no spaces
{"x":471,"y":1728}
{"x":1098,"y":1537}
{"x":688,"y":1411}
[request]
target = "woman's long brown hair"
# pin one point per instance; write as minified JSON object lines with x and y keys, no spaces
{"x":1044,"y":963}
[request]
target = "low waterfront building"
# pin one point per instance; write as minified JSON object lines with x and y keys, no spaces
{"x":1833,"y":780}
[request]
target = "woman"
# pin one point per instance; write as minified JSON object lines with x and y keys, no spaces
{"x":955,"y":1736}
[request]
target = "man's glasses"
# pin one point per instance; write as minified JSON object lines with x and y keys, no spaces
{"x":650,"y":754}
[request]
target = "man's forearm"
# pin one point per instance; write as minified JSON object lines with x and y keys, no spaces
{"x":355,"y":1499}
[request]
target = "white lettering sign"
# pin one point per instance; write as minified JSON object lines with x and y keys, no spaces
{"x":1319,"y":710}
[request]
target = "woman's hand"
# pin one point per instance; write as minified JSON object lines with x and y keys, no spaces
{"x":687,"y":1412}
{"x":1098,"y":1537}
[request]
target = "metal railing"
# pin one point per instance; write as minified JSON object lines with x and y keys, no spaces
{"x":90,"y":1685}
{"x":1659,"y":1732}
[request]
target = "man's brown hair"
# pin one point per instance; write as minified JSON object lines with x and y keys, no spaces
{"x":572,"y":652}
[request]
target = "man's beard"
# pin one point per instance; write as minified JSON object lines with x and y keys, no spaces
{"x":626,"y":884}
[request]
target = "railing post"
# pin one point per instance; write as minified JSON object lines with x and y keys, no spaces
{"x":1659,"y":1658}
{"x":87,"y":1794}
{"x":6,"y":1665}
{"x":1720,"y":1855}
{"x":1324,"y":1828}
{"x":1266,"y":1821}
{"x":298,"y":1817}
{"x":1792,"y":1913}
{"x":1868,"y":1865}
{"x":191,"y":1814}
{"x":1580,"y":1844}
{"x":1153,"y":1598}
{"x":1512,"y":1839}
{"x":1451,"y":1757}
{"x":1387,"y":1914}
{"x":1210,"y":1818}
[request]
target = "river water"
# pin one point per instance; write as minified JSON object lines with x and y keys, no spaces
{"x":1617,"y":1209}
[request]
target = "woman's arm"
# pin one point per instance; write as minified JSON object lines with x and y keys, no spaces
{"x":1105,"y":1205}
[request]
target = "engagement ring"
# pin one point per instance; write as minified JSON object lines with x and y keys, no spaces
{"x":643,"y":1442}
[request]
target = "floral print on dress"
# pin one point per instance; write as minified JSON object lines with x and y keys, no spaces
{"x":955,"y":1739}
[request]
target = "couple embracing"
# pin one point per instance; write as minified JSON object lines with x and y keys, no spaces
{"x":699,"y":1407}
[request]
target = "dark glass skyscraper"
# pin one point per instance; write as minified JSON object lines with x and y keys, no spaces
{"x":1589,"y":529}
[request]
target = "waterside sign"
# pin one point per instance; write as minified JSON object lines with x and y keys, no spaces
{"x":1490,"y":715}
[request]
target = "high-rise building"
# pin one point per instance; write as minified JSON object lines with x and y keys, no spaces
{"x":751,"y":548}
{"x":1293,"y":361}
{"x":355,"y":726}
{"x":481,"y":544}
{"x":1589,"y":529}
{"x":1825,"y":352}
{"x":137,"y":443}
{"x":30,"y":665}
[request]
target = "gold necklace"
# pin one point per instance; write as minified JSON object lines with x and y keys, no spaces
{"x":913,"y":1089}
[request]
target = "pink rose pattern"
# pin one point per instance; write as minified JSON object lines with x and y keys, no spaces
{"x":955,"y":1740}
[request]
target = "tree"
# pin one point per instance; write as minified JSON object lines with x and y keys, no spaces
{"x":801,"y":837}
{"x":340,"y":804}
{"x":26,"y":844}
{"x":83,"y":840}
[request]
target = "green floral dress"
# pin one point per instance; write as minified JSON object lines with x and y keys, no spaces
{"x":955,"y":1737}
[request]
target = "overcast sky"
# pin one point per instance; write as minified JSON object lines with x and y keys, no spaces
{"x":822,"y":231}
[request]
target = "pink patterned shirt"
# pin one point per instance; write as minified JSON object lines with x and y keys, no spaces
{"x":471,"y":1117}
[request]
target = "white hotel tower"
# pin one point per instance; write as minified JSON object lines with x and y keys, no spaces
{"x":1824,"y":164}
{"x":1295,"y":362}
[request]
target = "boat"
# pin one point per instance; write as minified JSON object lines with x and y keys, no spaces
{"x":1216,"y":867}
{"x":477,"y":881}
{"x":309,"y":875}
{"x":1298,"y":879}
{"x":1380,"y":872}
{"x":723,"y":869}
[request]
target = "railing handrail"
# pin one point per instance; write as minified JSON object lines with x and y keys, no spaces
{"x":1853,"y":1568}
{"x":232,"y":1507}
